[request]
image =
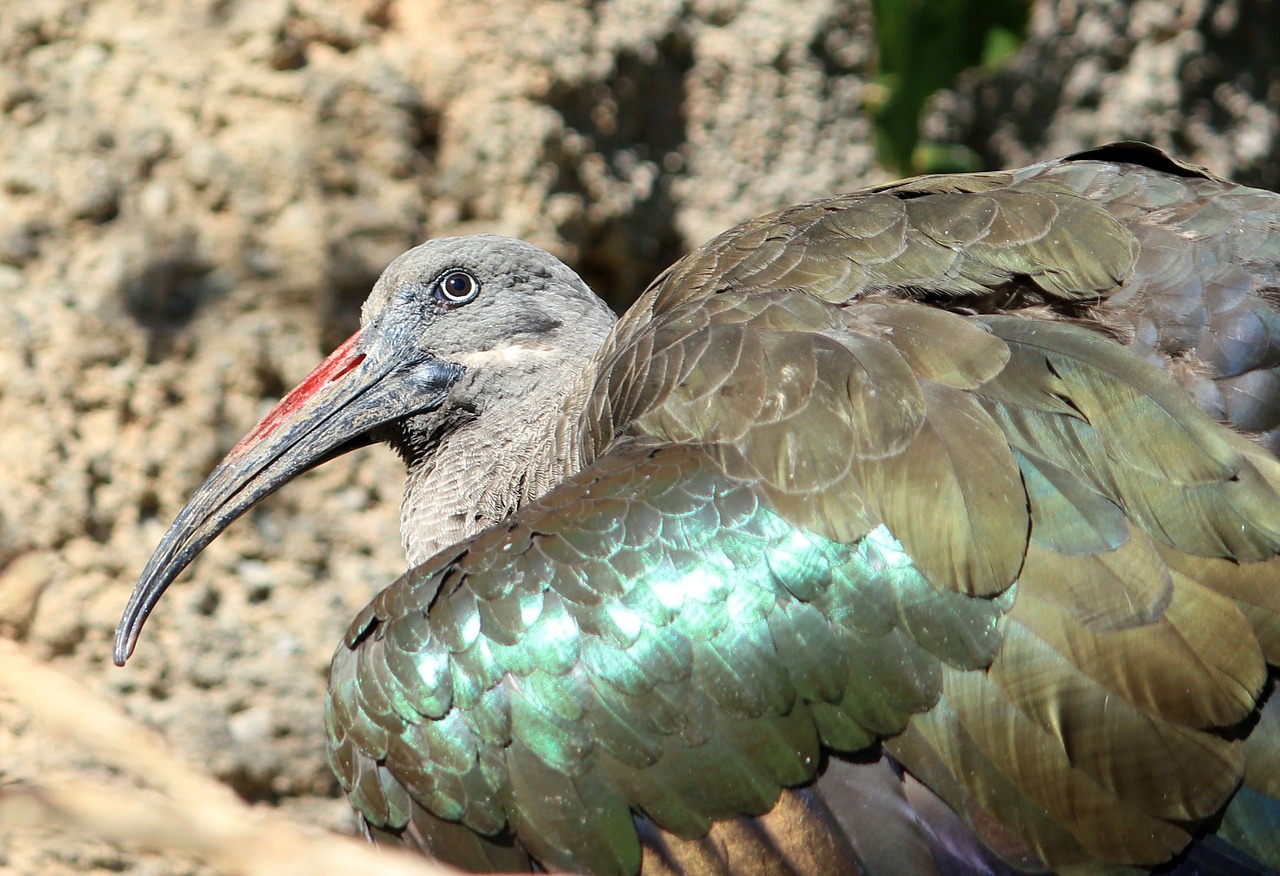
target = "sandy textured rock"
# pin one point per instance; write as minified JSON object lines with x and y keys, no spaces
{"x":1200,"y":78}
{"x":195,"y":198}
{"x":619,"y":134}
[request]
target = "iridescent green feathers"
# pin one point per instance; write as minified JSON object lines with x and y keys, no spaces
{"x":690,"y":669}
{"x":817,"y":510}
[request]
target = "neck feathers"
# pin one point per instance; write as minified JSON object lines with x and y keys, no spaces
{"x":478,"y":476}
{"x":508,"y":438}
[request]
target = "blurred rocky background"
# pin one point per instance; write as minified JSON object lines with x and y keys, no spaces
{"x":196,"y":195}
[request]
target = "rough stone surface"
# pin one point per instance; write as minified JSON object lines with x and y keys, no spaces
{"x":195,"y":196}
{"x":1200,"y":78}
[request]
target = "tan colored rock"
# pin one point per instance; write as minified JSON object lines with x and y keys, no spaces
{"x":1200,"y":78}
{"x":21,"y":583}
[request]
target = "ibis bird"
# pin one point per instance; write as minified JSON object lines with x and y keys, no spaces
{"x":932,"y":528}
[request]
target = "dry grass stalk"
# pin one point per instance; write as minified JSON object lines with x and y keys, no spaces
{"x":181,"y":809}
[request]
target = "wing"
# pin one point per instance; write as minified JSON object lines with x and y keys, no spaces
{"x":813,"y":516}
{"x":1182,"y":267}
{"x":651,"y":635}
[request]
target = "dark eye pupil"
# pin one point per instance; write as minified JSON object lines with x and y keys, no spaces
{"x":458,"y":286}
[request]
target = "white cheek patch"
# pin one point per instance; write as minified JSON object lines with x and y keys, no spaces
{"x":511,"y":354}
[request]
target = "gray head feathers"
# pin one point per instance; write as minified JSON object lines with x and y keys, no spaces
{"x":524,"y":328}
{"x":526,"y":298}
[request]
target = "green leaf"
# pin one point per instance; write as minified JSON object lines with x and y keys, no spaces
{"x":924,"y":45}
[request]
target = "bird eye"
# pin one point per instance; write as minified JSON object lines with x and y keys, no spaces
{"x":457,"y":287}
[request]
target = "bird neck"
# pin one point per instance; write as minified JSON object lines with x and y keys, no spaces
{"x":483,"y":465}
{"x":476,"y":477}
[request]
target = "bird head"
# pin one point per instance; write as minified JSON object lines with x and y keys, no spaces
{"x":452,"y":329}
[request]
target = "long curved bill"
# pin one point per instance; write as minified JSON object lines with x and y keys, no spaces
{"x":329,"y":413}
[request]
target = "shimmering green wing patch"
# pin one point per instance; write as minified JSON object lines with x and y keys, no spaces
{"x":688,"y":672}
